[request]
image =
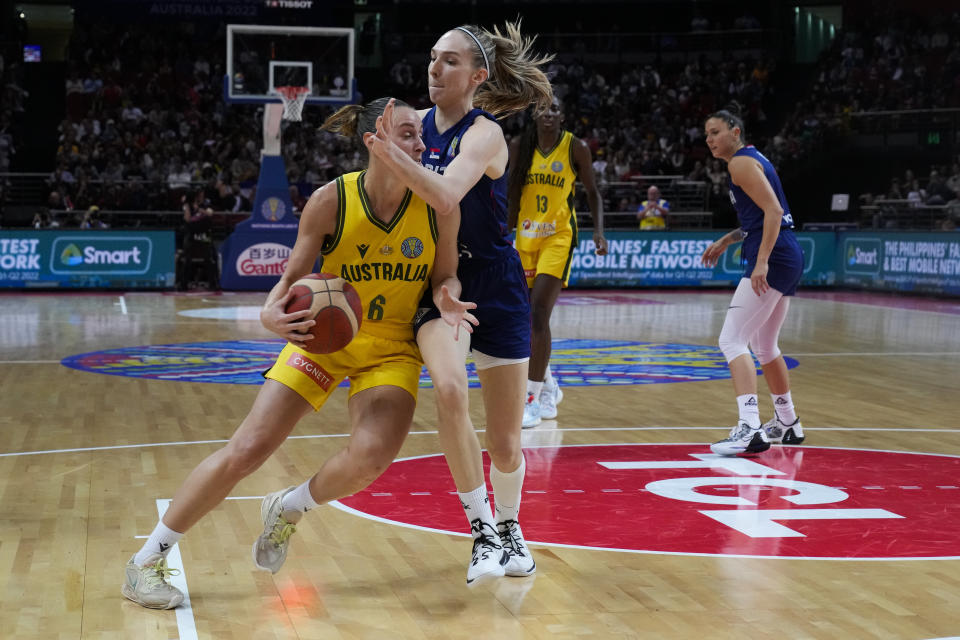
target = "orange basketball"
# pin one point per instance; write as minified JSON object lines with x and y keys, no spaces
{"x":334,"y":305}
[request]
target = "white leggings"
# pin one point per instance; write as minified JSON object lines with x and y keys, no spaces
{"x":753,"y":322}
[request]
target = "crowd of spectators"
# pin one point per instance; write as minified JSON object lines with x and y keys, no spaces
{"x":884,"y":60}
{"x":145,"y":119}
{"x":12,"y":95}
{"x":935,"y":195}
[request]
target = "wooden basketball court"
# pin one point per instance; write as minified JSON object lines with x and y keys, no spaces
{"x":88,"y":460}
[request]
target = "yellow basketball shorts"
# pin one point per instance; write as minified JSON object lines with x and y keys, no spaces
{"x":551,"y":256}
{"x":368,"y":361}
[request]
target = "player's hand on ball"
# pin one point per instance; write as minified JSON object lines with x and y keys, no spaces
{"x":456,"y":312}
{"x":290,"y":326}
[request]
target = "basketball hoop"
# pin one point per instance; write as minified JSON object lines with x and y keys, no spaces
{"x":293,"y":99}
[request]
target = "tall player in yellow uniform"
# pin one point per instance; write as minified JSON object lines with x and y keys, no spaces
{"x":545,"y":162}
{"x":374,"y":232}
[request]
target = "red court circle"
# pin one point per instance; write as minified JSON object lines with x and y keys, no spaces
{"x":792,"y":502}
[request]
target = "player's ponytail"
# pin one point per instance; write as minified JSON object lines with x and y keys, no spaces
{"x":515,"y":80}
{"x":354,"y":120}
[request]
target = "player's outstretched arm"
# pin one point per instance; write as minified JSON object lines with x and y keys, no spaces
{"x":482,"y":147}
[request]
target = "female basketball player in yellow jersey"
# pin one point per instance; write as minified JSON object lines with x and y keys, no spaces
{"x":545,"y":162}
{"x":375,"y":232}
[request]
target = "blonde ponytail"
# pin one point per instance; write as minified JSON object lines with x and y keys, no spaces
{"x":516,"y":80}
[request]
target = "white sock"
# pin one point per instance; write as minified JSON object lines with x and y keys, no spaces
{"x":476,"y":504}
{"x":298,"y":501}
{"x":548,"y":380}
{"x":749,"y":409}
{"x":507,"y":490}
{"x":783,"y":407}
{"x":160,"y":541}
{"x":534,"y":388}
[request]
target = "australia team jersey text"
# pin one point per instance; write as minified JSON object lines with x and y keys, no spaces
{"x":546,"y":204}
{"x":482,"y":238}
{"x":389,"y":263}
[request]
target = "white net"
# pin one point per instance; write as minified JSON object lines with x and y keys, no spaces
{"x":293,"y":99}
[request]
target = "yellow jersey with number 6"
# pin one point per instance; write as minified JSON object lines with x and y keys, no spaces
{"x":389,"y":263}
{"x":546,"y":201}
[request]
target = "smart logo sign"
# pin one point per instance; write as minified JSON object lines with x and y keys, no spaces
{"x":862,"y":255}
{"x":797,"y":502}
{"x":101,"y":259}
{"x":92,"y":254}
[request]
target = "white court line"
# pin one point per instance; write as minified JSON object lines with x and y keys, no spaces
{"x":427,"y":433}
{"x":123,"y":305}
{"x":881,"y":354}
{"x":186,"y":625}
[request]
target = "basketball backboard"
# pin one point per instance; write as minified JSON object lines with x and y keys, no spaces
{"x":263,"y":57}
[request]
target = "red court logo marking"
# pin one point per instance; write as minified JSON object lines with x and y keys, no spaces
{"x":799,"y":502}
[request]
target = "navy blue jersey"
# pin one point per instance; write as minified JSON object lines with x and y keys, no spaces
{"x":490,"y":269}
{"x":749,"y":214}
{"x":786,"y":259}
{"x":483,"y":210}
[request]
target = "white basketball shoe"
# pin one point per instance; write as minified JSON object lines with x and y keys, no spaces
{"x":779,"y":433}
{"x":531,"y":412}
{"x":549,"y":399}
{"x":520,"y":563}
{"x":489,"y":557}
{"x":742,"y":439}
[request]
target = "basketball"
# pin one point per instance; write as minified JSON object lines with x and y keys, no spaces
{"x":334,"y":305}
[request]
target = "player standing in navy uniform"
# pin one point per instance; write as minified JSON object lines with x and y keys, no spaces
{"x":475,"y":76}
{"x":774,"y":264}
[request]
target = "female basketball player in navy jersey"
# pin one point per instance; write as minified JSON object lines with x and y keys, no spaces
{"x":774,"y":264}
{"x":474,"y":76}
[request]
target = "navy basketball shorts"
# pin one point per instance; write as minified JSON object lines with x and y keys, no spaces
{"x":785,"y":263}
{"x":503,"y":309}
